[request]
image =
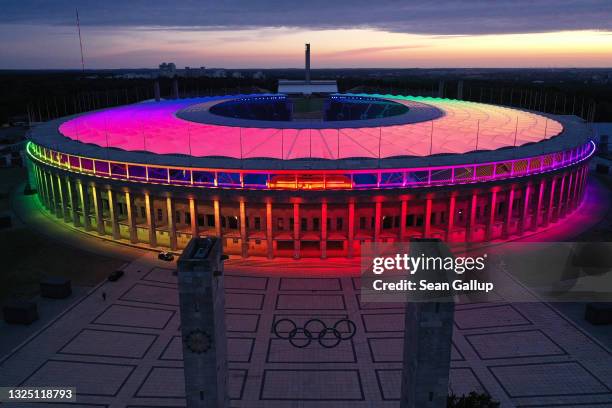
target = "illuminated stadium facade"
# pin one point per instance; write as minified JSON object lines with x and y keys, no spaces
{"x":273,"y":182}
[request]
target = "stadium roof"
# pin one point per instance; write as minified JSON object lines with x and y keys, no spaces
{"x":464,"y":127}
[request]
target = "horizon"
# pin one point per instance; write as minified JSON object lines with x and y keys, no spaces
{"x":344,"y":35}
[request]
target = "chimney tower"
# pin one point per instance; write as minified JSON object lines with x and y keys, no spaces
{"x":307,"y":63}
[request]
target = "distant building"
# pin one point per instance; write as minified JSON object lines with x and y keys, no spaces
{"x":237,"y":74}
{"x":167,"y":69}
{"x":133,"y":75}
{"x":194,"y":72}
{"x":259,"y":75}
{"x":218,"y":73}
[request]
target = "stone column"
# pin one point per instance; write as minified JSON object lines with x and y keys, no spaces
{"x":85,"y":205}
{"x":203,"y":329}
{"x":491,"y":220}
{"x":548,"y":218}
{"x":150,"y":209}
{"x":129,"y":203}
{"x":47,"y":194}
{"x":451,"y":216}
{"x":171,"y":222}
{"x":323,"y":230}
{"x":428,"y":332}
{"x":508,"y":217}
{"x":296,"y":230}
{"x":63,"y":191}
{"x":193,"y":210}
{"x":351,"y":229}
{"x":72,"y":193}
{"x":51,"y":188}
{"x":243,"y":230}
{"x":539,"y":204}
{"x":427,"y":220}
{"x":525,"y":210}
{"x":575,"y":188}
{"x":269,"y":231}
{"x":403,"y":215}
{"x":112,"y":207}
{"x":377,"y":219}
{"x":560,"y":212}
{"x":97,"y":201}
{"x":471,"y":221}
{"x":40,"y":186}
{"x":55,"y":201}
{"x":570,"y":192}
{"x":217,"y":210}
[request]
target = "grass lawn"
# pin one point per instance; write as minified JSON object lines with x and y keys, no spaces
{"x":28,"y":256}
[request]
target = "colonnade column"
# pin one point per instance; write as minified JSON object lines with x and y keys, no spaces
{"x":72,"y":193}
{"x":193,"y":210}
{"x":171,"y":222}
{"x":538,"y":211}
{"x":576,"y":189}
{"x":451,"y":216}
{"x":269,"y":237}
{"x":471,"y":221}
{"x":403,"y":215}
{"x":296,"y":230}
{"x":64,"y":198}
{"x":377,"y":215}
{"x":427,"y":220}
{"x":559,"y":212}
{"x":55,"y":206}
{"x":568,"y":196}
{"x":97,"y":201}
{"x":49,"y":201}
{"x":577,"y":184}
{"x":131,"y":219}
{"x":46,"y":200}
{"x":525,"y":210}
{"x":150,"y":209}
{"x":85,"y":205}
{"x":508,"y":215}
{"x":491,"y":220}
{"x":351,"y":229}
{"x":323,"y":230}
{"x":112,"y":208}
{"x":243,"y":230}
{"x":42,"y":189}
{"x":217,"y":211}
{"x":548,"y":218}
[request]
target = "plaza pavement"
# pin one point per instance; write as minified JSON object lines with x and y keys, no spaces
{"x":125,"y":351}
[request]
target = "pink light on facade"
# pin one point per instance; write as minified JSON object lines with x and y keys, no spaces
{"x":154,"y":127}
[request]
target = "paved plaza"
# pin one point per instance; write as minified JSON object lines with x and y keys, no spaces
{"x":125,"y":351}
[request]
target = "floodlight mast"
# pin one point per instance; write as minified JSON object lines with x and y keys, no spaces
{"x":80,"y":40}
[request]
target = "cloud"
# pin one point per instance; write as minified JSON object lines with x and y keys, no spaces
{"x":441,"y":17}
{"x":369,"y":51}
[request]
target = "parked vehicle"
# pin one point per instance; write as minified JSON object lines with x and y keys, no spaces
{"x":115,"y":275}
{"x":165,"y":256}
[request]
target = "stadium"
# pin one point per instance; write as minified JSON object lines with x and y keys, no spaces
{"x":276,"y":175}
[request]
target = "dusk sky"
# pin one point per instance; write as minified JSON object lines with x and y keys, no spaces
{"x":343,"y":33}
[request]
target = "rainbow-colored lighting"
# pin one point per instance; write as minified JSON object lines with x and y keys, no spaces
{"x":313,"y":179}
{"x":464,"y":127}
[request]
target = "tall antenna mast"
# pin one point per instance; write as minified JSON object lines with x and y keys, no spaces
{"x":80,"y":40}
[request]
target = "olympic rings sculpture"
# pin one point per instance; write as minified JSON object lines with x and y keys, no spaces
{"x":328,"y":337}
